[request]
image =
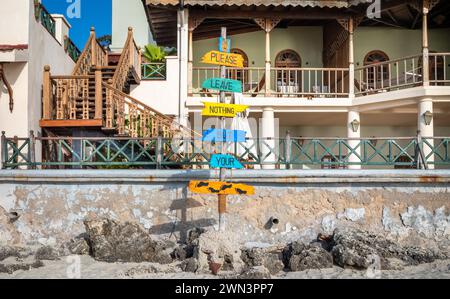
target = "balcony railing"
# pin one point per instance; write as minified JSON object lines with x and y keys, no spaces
{"x":45,"y":18}
{"x":440,"y":69}
{"x":297,"y":82}
{"x":160,"y":152}
{"x":154,"y":71}
{"x":71,"y":49}
{"x":380,"y":77}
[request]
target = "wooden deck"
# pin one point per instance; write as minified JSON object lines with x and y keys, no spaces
{"x":44,"y":123}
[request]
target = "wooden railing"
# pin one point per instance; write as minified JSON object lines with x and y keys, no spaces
{"x":93,"y":55}
{"x":389,"y":75}
{"x":310,"y":82}
{"x":439,"y":69}
{"x":299,"y":82}
{"x":131,"y":117}
{"x":130,"y":60}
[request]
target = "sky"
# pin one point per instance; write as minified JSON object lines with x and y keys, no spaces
{"x":97,"y":13}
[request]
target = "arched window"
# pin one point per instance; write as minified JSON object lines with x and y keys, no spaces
{"x":288,"y":59}
{"x":239,"y":74}
{"x":288,"y":81}
{"x":375,"y":75}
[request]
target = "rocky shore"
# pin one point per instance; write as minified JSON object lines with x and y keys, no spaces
{"x":110,"y":249}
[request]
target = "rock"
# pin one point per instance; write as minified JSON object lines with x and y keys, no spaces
{"x":354,"y":214}
{"x":214,"y":267}
{"x":79,"y":245}
{"x":258,"y":272}
{"x":13,"y":264}
{"x":329,"y":224}
{"x":189,"y":265}
{"x":194,"y":234}
{"x":123,"y":242}
{"x":8,"y":251}
{"x":263,"y":257}
{"x":299,"y":257}
{"x":441,"y":222}
{"x":356,"y":249}
{"x":46,"y":253}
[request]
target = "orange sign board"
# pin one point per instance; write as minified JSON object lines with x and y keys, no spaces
{"x":224,"y":188}
{"x":222,"y":58}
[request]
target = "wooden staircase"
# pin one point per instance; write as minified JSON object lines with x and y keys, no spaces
{"x":96,"y":97}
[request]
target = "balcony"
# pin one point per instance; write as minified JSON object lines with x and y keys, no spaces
{"x":312,"y":83}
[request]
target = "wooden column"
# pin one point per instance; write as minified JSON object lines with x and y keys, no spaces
{"x":193,"y":23}
{"x":47,"y":105}
{"x":190,"y":60}
{"x":267,"y":65}
{"x":98,"y":93}
{"x":425,"y":46}
{"x":267,"y":25}
{"x":351,"y":60}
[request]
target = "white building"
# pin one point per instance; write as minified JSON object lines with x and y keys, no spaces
{"x":30,"y":39}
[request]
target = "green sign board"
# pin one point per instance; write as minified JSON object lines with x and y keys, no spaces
{"x":223,"y":84}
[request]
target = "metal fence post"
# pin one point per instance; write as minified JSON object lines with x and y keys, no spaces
{"x":31,"y":151}
{"x":287,"y":149}
{"x":4,"y":150}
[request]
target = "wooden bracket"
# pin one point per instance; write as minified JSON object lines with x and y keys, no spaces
{"x":267,"y":24}
{"x":195,"y":22}
{"x":423,"y":5}
{"x":345,"y":23}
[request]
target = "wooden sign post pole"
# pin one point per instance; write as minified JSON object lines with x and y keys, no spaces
{"x":222,"y":198}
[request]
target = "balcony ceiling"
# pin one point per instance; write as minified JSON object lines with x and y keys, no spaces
{"x":238,"y":15}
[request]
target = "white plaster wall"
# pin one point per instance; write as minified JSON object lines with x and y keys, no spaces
{"x":125,"y":14}
{"x":44,"y":49}
{"x":14,"y":21}
{"x":161,"y":95}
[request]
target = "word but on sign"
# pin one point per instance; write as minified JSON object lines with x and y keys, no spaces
{"x":220,"y":135}
{"x":225,"y":161}
{"x":225,"y":59}
{"x":220,"y":109}
{"x":223,"y":84}
{"x":221,"y":188}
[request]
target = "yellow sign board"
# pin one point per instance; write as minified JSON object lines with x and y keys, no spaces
{"x":223,"y":188}
{"x":225,"y":110}
{"x":222,"y":58}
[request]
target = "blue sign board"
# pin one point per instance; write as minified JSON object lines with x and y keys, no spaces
{"x":225,"y":161}
{"x":219,"y":135}
{"x":224,"y":45}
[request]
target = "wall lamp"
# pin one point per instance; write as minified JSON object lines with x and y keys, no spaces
{"x":428,"y":117}
{"x":355,"y":125}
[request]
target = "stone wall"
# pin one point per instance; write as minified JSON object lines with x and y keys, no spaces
{"x":49,"y":207}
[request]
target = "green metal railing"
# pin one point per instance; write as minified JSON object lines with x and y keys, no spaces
{"x":285,"y":153}
{"x":44,"y":17}
{"x":154,"y":71}
{"x":71,"y":49}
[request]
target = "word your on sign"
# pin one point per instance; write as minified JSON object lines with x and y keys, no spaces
{"x":223,"y":188}
{"x":223,"y":84}
{"x":224,"y":44}
{"x":221,"y":58}
{"x":225,"y":110}
{"x":219,"y":135}
{"x":225,"y":161}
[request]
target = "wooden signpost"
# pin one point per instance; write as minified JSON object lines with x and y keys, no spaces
{"x":223,"y":59}
{"x":225,"y":161}
{"x":222,"y":161}
{"x":220,"y":188}
{"x":222,"y":110}
{"x":223,"y":84}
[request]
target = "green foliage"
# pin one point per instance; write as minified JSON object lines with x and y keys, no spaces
{"x":154,"y":53}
